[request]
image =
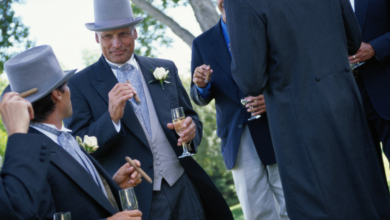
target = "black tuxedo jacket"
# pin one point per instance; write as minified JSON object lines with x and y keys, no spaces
{"x":296,"y":52}
{"x":210,"y":48}
{"x":89,"y":94}
{"x":40,"y":178}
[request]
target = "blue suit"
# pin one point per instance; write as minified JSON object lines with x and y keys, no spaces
{"x":210,"y":48}
{"x":374,"y":76}
{"x":89,"y":96}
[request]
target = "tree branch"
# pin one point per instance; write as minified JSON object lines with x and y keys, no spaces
{"x":205,"y":13}
{"x":181,"y":32}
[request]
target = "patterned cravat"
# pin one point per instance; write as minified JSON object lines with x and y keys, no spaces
{"x":69,"y":143}
{"x":130,"y":73}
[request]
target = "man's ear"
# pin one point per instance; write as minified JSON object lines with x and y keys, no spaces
{"x":135,"y":34}
{"x":97,"y":38}
{"x":56,"y":95}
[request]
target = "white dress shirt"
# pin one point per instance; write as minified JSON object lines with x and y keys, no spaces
{"x":353,"y":4}
{"x":132,"y":62}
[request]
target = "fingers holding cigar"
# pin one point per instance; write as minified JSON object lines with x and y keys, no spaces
{"x":202,"y":75}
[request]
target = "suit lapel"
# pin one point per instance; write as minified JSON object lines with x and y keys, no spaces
{"x":64,"y":161}
{"x":361,"y":11}
{"x":106,"y":80}
{"x":159,"y":97}
{"x":220,"y":50}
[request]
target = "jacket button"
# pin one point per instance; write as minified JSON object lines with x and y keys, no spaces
{"x":150,"y":166}
{"x":239,"y":126}
{"x":318,"y":78}
{"x":347,"y":69}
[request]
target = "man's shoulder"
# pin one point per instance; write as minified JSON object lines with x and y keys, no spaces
{"x":207,"y":35}
{"x":87,"y":72}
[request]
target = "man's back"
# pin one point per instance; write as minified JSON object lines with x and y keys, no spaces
{"x":297,"y":53}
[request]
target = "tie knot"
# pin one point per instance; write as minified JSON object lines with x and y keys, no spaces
{"x":125,"y":67}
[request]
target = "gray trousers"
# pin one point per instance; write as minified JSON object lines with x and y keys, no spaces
{"x":181,"y":201}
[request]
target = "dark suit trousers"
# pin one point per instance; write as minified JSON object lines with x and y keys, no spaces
{"x":181,"y":201}
{"x":380,"y":127}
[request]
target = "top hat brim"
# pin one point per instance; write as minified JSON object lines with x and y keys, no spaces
{"x":92,"y":27}
{"x":44,"y":89}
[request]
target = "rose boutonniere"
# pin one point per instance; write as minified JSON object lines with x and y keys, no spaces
{"x":161,"y":74}
{"x":90,"y":143}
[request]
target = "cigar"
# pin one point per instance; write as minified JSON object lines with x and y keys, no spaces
{"x":143,"y":174}
{"x":28,"y":93}
{"x":207,"y":75}
{"x":135,"y":96}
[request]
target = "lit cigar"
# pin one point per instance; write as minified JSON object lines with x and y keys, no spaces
{"x":143,"y":174}
{"x":28,"y":93}
{"x":135,"y":96}
{"x":207,"y":75}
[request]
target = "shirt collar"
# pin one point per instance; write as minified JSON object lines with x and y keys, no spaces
{"x":62,"y":128}
{"x":132,"y":62}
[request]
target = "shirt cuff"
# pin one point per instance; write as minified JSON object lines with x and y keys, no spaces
{"x":204,"y":92}
{"x":117,"y":126}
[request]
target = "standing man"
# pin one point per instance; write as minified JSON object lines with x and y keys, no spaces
{"x":373,"y":77}
{"x":296,"y":53}
{"x":67,"y":178}
{"x":246,"y":145}
{"x":105,"y":107}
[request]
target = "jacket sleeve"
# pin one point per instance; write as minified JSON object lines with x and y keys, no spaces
{"x":196,"y":61}
{"x":23,"y":176}
{"x":381,"y":47}
{"x":250,"y":74}
{"x":352,"y":28}
{"x":82,"y":123}
{"x":184,"y":101}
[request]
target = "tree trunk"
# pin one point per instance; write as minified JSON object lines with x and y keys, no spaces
{"x":181,"y":32}
{"x":205,"y":13}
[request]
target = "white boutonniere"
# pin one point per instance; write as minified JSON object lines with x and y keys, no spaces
{"x":161,"y":74}
{"x":90,"y":143}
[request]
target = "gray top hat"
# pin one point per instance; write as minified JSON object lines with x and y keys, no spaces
{"x":38,"y":68}
{"x":112,"y":15}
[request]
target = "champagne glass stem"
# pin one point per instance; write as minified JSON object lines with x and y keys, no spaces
{"x":185,"y":148}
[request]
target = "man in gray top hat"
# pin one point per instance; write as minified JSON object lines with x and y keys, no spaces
{"x":65,"y":178}
{"x":104,"y":106}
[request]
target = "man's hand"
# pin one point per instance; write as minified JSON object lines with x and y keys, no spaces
{"x":200,"y":76}
{"x":117,"y":100}
{"x":258,"y":104}
{"x":127,"y":176}
{"x":127,"y":215}
{"x":188,"y":133}
{"x":16,"y":113}
{"x":364,"y":53}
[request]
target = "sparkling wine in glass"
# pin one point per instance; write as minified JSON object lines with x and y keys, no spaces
{"x":178,"y":118}
{"x":244,"y":102}
{"x":353,"y":66}
{"x":128,"y":199}
{"x":62,"y":216}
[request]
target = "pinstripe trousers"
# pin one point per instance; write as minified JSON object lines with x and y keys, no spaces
{"x":179,"y":202}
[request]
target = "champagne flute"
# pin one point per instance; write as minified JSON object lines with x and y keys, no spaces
{"x":353,"y":66}
{"x":178,"y":118}
{"x":62,"y":216}
{"x":128,"y":199}
{"x":244,"y":102}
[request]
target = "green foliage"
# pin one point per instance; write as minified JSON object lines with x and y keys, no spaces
{"x":13,"y":36}
{"x":209,"y":152}
{"x":90,"y":57}
{"x":237,"y":212}
{"x":3,"y":133}
{"x":151,"y":32}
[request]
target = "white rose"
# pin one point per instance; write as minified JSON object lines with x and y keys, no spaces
{"x":90,"y":141}
{"x":160,"y":73}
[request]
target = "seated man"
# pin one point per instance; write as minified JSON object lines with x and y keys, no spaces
{"x":45,"y":171}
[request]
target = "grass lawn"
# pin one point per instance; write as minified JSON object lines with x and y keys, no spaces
{"x":237,"y":212}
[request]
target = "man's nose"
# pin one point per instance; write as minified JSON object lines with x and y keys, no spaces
{"x":116,"y":42}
